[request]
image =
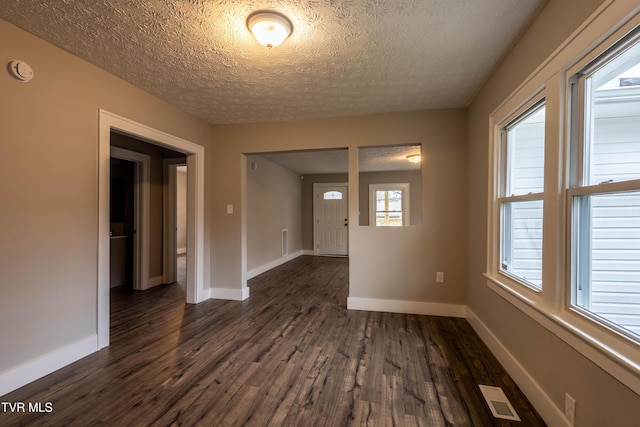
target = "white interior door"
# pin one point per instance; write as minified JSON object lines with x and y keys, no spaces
{"x":331,"y":209}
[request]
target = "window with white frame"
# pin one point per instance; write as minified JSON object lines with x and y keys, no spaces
{"x":604,"y":193}
{"x":589,"y":161}
{"x":389,"y":205}
{"x":520,"y":197}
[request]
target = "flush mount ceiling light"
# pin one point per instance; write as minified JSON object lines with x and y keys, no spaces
{"x":269,"y":28}
{"x":414,"y":158}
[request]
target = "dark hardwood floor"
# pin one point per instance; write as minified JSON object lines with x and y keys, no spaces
{"x":290,"y":355}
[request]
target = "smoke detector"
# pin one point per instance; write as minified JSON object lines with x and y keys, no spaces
{"x":20,"y":70}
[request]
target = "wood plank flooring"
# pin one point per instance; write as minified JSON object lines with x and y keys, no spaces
{"x":291,"y":355}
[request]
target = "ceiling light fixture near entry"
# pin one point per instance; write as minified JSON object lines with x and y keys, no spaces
{"x":269,"y":28}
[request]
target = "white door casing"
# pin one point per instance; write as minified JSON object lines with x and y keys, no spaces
{"x":196,"y":291}
{"x":169,"y":219}
{"x":330,"y":222}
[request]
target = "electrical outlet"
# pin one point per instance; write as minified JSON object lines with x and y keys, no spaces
{"x":440,"y":277}
{"x":570,"y":409}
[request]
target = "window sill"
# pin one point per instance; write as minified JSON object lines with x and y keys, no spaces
{"x":620,"y":359}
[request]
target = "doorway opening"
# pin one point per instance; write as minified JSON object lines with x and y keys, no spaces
{"x":181,"y":224}
{"x":195,"y":290}
{"x":175,"y":221}
{"x":123,"y":225}
{"x":139,"y":208}
{"x":278,"y":191}
{"x":131,"y":227}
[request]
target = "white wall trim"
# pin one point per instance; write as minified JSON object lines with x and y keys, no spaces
{"x":407,"y":307}
{"x":181,"y":251}
{"x":616,"y":358}
{"x":44,"y":365}
{"x":169,"y":219}
{"x":229,"y":293}
{"x":552,"y":415}
{"x":273,"y":264}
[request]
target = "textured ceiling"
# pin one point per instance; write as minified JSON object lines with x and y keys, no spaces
{"x":311,"y":162}
{"x":344,"y":57}
{"x":370,"y":159}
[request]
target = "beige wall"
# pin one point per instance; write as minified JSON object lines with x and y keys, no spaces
{"x":48,"y":182}
{"x":418,"y":251}
{"x":554,"y":365}
{"x":273,"y":204}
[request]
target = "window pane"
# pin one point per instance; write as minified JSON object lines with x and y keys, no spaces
{"x":389,"y":200}
{"x":389,"y":208}
{"x":608,"y":255}
{"x":389,"y":219}
{"x":521,"y":248}
{"x":332,"y":195}
{"x":525,"y":154}
{"x":613,"y":127}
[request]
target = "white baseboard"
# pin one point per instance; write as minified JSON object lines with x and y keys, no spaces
{"x":37,"y":368}
{"x":551,"y":414}
{"x":275,"y":263}
{"x":181,"y":251}
{"x":154,"y":281}
{"x":407,"y":307}
{"x":204,"y":295}
{"x":229,"y":294}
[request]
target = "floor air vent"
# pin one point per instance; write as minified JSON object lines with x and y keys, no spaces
{"x":498,"y":403}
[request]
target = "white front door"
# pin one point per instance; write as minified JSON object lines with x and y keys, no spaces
{"x":331,"y":209}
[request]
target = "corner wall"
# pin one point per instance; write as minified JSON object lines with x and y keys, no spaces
{"x":273,"y":204}
{"x":545,"y":361}
{"x":375,"y":254}
{"x":49,"y":185}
